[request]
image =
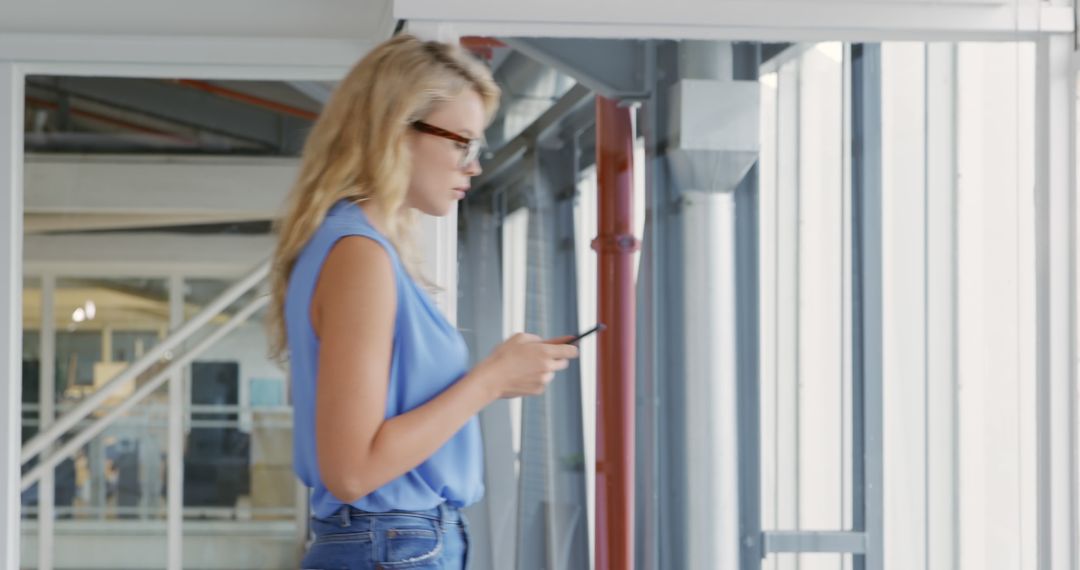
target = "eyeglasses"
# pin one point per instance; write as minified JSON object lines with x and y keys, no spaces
{"x":470,"y":148}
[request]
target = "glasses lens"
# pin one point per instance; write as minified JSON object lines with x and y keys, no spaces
{"x":471,"y":153}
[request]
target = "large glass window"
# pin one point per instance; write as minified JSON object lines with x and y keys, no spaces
{"x":805,"y":277}
{"x":238,"y":459}
{"x":957,"y":226}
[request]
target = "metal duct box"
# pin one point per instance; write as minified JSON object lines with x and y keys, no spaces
{"x":714,"y":133}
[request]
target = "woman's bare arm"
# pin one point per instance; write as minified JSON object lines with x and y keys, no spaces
{"x":353,"y":313}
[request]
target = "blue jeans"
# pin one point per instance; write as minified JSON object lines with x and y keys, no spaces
{"x":352,"y":539}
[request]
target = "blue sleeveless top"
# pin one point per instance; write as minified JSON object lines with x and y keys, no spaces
{"x":429,"y":355}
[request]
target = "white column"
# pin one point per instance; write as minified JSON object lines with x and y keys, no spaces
{"x":996,"y":306}
{"x":903,"y":206}
{"x":438,"y":241}
{"x":785,"y":412}
{"x":175,"y":477}
{"x":46,"y":498}
{"x":11,"y":220}
{"x":711,"y":406}
{"x":1056,"y":315}
{"x":970,"y":311}
{"x":941,"y":294}
{"x":819,"y":267}
{"x":768,"y":206}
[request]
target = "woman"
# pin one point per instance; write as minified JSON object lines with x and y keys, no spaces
{"x":385,"y":431}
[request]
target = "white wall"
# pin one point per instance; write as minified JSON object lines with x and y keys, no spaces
{"x":979,"y":453}
{"x":804,"y":279}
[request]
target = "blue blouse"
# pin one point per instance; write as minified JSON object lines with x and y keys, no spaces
{"x":429,"y":355}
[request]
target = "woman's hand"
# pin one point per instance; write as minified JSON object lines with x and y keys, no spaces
{"x":524,"y":365}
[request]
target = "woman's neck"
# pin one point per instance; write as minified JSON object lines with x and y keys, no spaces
{"x":374,"y":215}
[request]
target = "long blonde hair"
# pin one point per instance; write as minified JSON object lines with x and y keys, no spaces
{"x":357,"y":150}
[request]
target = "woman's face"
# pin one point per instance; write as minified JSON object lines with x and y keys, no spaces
{"x":439,"y":179}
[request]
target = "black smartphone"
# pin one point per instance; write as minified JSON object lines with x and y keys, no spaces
{"x":599,"y":327}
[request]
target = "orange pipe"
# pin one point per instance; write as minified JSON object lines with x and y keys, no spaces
{"x":481,"y":46}
{"x":615,"y":246}
{"x":480,"y":41}
{"x":249,"y":99}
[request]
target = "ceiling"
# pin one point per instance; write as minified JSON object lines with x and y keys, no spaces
{"x":84,"y":117}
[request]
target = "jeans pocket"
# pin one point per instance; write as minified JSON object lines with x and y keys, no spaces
{"x":412,"y":547}
{"x":340,"y":551}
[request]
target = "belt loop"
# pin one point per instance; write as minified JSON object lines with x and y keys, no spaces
{"x":442,"y":514}
{"x":345,"y":519}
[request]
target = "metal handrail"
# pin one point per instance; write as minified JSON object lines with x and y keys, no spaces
{"x":40,"y":442}
{"x":146,"y":389}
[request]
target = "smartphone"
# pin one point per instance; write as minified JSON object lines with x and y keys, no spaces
{"x":599,"y":327}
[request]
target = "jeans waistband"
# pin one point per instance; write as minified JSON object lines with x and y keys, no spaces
{"x":444,"y":513}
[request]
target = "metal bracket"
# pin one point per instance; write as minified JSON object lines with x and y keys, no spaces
{"x":813,"y":541}
{"x":621,"y":243}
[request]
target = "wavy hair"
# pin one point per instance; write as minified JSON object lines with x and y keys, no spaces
{"x":357,"y":150}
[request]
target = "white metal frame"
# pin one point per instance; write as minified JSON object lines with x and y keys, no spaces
{"x":1058,"y":68}
{"x":11,"y":113}
{"x":934,"y":212}
{"x":173,"y":369}
{"x":750,"y":20}
{"x":39,"y":442}
{"x":174,"y":478}
{"x":272,"y":59}
{"x":46,"y":499}
{"x":925,"y":355}
{"x":276,"y":59}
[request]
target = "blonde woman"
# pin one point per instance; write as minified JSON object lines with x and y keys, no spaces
{"x":385,"y":431}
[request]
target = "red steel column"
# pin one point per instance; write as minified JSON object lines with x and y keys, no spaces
{"x":615,"y":369}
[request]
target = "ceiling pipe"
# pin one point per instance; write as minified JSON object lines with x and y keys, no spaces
{"x":37,"y":103}
{"x":248,"y":99}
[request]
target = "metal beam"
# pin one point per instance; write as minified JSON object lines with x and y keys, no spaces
{"x":174,"y":478}
{"x":747,"y":370}
{"x":198,"y":56}
{"x":662,"y":540}
{"x":144,"y":254}
{"x":317,"y":91}
{"x":809,"y":541}
{"x":67,"y":223}
{"x":319,"y":19}
{"x":942,"y":382}
{"x":576,"y":128}
{"x":222,"y":188}
{"x":1055,"y":227}
{"x":529,"y":88}
{"x":614,"y":69}
{"x":574,"y":99}
{"x":11,"y":215}
{"x":555,"y":419}
{"x":480,"y":319}
{"x":47,"y":412}
{"x":750,"y":20}
{"x":748,"y":334}
{"x":184,"y":106}
{"x":867,"y":329}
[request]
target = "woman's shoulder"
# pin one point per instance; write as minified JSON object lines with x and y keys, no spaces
{"x":357,"y":263}
{"x":358,"y":278}
{"x":348,"y":219}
